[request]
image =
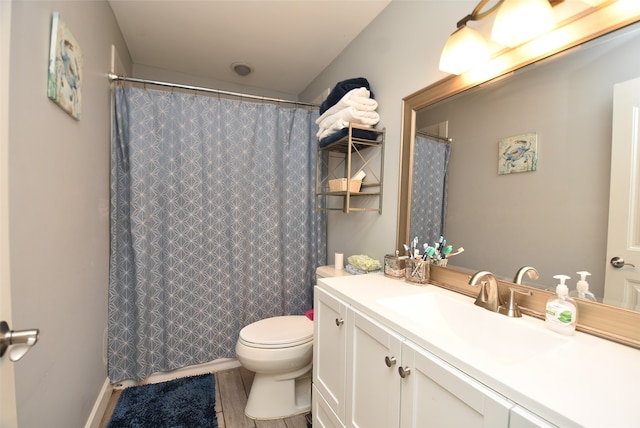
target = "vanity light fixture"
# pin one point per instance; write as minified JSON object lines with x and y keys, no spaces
{"x":516,"y":22}
{"x":519,"y":21}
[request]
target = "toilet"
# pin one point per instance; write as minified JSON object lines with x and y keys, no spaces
{"x":279,"y":350}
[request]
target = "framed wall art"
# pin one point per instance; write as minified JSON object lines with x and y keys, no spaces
{"x":518,"y":154}
{"x":65,"y":68}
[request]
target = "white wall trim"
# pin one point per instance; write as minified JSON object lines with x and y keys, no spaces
{"x":95,"y":417}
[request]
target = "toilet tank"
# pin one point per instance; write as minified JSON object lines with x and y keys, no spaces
{"x":329,"y":272}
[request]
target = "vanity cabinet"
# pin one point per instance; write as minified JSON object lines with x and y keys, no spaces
{"x":522,"y":418}
{"x":390,"y":381}
{"x":329,"y":358}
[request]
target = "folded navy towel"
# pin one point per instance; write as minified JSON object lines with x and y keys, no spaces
{"x":341,"y":89}
{"x":357,"y":133}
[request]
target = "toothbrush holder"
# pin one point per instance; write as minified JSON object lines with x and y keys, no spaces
{"x":417,"y":271}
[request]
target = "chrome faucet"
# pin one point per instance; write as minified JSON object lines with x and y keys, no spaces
{"x":512,"y":309}
{"x":489,"y":296}
{"x":531,"y":271}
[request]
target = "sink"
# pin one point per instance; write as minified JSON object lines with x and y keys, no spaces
{"x":456,"y":319}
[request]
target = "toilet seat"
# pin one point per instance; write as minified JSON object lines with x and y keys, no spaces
{"x":278,"y":332}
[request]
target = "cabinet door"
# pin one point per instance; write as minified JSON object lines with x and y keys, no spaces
{"x":323,"y":416}
{"x":521,"y":418}
{"x":436,"y":394}
{"x":329,"y":357}
{"x":373,"y":390}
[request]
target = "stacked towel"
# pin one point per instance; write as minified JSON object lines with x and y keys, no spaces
{"x":341,"y":89}
{"x":350,"y":101}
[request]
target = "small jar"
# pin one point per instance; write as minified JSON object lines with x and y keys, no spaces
{"x":394,"y":266}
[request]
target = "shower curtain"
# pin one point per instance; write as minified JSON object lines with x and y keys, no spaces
{"x":429,"y":193}
{"x":213,"y":225}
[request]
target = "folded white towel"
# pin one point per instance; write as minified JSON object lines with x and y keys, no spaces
{"x":358,"y":98}
{"x":350,"y":114}
{"x":336,"y":126}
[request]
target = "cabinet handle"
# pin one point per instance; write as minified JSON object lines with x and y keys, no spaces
{"x":404,"y":371}
{"x":339,"y":321}
{"x":389,"y":361}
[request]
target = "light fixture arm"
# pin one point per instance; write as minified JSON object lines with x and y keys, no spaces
{"x":477,"y":15}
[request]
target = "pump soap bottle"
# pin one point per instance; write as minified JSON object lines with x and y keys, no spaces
{"x":561,"y":311}
{"x":582,"y":288}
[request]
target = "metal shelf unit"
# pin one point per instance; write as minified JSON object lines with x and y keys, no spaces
{"x":343,"y":159}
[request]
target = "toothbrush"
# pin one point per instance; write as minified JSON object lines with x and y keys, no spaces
{"x":458,"y":251}
{"x":447,"y":251}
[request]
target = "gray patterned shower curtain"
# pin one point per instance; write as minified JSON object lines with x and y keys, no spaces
{"x":213,"y":225}
{"x":429,"y":192}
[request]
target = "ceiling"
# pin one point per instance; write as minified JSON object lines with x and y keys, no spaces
{"x":287,"y":43}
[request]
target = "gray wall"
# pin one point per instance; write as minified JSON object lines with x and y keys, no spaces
{"x":59,"y":213}
{"x":398,"y":53}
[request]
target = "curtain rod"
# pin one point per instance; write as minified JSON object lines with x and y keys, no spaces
{"x":437,"y":137}
{"x":114,"y":77}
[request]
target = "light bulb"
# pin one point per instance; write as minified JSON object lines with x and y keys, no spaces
{"x":519,"y":21}
{"x":465,"y":49}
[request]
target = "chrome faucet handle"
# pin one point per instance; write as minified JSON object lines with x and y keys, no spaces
{"x":483,"y":295}
{"x":512,"y":309}
{"x":489,"y":296}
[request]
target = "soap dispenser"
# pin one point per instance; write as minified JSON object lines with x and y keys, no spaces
{"x":561,"y":310}
{"x":582,"y":288}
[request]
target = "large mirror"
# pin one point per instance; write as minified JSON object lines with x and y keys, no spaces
{"x":556,"y":217}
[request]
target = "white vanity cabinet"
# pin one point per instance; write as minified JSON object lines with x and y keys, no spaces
{"x":390,"y":381}
{"x":374,"y":354}
{"x":329,"y":358}
{"x":435,"y":394}
{"x":522,"y":418}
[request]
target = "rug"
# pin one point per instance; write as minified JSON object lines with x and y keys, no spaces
{"x":187,"y":403}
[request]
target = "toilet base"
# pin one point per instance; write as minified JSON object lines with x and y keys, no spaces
{"x":293,"y":396}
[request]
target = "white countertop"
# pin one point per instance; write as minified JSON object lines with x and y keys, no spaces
{"x":578,"y":380}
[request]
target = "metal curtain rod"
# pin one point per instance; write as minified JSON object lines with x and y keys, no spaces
{"x":114,"y":77}
{"x":437,"y":137}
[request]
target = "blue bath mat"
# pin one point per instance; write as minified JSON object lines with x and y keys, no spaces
{"x":186,"y":403}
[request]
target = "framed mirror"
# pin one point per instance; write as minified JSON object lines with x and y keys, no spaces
{"x":505,"y":223}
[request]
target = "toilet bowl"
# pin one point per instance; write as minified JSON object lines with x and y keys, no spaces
{"x":279,"y":350}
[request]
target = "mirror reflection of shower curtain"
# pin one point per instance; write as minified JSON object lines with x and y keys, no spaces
{"x":213,"y":225}
{"x":429,"y":193}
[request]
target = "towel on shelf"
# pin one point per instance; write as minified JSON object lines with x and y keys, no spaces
{"x":341,"y":89}
{"x":342,"y":118}
{"x":336,"y":126}
{"x":359,"y":98}
{"x":357,"y":133}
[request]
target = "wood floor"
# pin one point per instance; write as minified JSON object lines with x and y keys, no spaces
{"x":232,"y":388}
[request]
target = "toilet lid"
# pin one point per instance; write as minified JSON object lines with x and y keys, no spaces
{"x":278,"y":332}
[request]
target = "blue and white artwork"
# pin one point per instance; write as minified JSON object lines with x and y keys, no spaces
{"x":65,"y":68}
{"x":518,"y":154}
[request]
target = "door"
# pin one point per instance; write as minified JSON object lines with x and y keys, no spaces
{"x":437,"y":395}
{"x":622,"y":284}
{"x":373,"y":360}
{"x":8,"y":417}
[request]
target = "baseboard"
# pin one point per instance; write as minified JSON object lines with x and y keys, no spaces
{"x":100,"y":405}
